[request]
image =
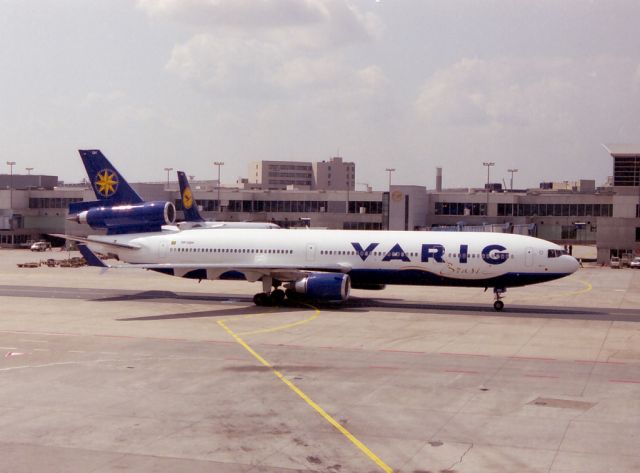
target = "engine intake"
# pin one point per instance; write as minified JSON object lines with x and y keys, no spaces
{"x":329,"y":287}
{"x":145,"y":217}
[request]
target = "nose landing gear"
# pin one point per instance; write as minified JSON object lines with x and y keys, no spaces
{"x":498,"y":292}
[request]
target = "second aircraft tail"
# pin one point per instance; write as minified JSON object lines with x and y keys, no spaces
{"x":189,"y":207}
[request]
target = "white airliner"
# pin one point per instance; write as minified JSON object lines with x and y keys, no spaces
{"x":324,"y":264}
{"x":317,"y":264}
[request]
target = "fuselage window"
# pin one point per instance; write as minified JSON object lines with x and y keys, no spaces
{"x":555,"y":253}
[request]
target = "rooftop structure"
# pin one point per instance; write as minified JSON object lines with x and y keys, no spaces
{"x":334,"y":174}
{"x":626,"y":164}
{"x":281,"y":174}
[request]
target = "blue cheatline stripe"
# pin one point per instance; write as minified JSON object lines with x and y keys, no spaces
{"x":417,"y":277}
{"x":414,"y":277}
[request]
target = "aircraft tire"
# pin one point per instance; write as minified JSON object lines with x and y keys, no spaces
{"x":277,"y":297}
{"x":291,"y":294}
{"x":498,"y":306}
{"x":262,"y":299}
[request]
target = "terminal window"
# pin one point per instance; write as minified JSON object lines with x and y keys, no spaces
{"x":626,"y":171}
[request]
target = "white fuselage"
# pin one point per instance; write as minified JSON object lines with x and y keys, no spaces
{"x":369,"y":257}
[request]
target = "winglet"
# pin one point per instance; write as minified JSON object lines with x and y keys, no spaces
{"x":189,"y":206}
{"x":90,"y":256}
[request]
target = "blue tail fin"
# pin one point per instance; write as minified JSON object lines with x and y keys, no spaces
{"x":108,"y":184}
{"x":189,"y":206}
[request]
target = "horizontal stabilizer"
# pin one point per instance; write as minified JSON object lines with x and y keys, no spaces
{"x":90,"y":257}
{"x":96,"y":241}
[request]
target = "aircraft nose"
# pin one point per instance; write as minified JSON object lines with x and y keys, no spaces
{"x":570,"y":264}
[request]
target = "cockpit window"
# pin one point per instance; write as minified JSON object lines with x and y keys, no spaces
{"x":556,"y":253}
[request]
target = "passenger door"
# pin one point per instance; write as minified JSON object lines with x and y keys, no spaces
{"x":311,"y":252}
{"x":528,"y":257}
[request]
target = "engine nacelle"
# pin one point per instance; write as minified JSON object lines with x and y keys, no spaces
{"x":330,"y":287}
{"x":144,"y":217}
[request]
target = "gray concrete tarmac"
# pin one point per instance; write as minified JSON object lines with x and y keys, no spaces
{"x":136,"y":371}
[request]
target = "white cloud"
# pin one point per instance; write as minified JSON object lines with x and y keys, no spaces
{"x":556,"y":95}
{"x":500,"y":93}
{"x":535,"y":114}
{"x":290,"y":52}
{"x":314,"y":22}
{"x":227,"y":61}
{"x":241,"y":13}
{"x":240,"y":66}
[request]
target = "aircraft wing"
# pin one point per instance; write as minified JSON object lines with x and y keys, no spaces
{"x":252,"y":272}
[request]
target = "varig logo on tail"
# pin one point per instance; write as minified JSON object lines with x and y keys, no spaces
{"x":106,"y":182}
{"x":187,"y":198}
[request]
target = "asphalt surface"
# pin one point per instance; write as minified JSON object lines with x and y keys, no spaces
{"x":134,"y":371}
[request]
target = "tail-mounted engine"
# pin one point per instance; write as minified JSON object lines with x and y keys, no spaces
{"x":144,"y":217}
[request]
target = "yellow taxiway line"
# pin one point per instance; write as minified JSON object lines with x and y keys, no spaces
{"x":363,"y":448}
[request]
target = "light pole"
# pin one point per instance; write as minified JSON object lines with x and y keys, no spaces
{"x":389,"y":170}
{"x":512,"y":171}
{"x":488,"y":165}
{"x":168,"y":171}
{"x":11,"y":164}
{"x":219,"y":164}
{"x":29,"y":171}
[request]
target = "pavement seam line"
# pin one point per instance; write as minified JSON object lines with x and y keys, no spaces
{"x":372,"y":456}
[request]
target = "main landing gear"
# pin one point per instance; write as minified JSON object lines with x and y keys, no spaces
{"x":269,"y":297}
{"x":498,"y":292}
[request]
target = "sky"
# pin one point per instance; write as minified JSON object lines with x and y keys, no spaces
{"x":405,"y":84}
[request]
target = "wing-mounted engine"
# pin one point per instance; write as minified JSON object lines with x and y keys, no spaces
{"x":143,"y":217}
{"x":329,"y":287}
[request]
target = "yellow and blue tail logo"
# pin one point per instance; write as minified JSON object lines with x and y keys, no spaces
{"x":108,"y":184}
{"x":189,"y":206}
{"x":187,"y":198}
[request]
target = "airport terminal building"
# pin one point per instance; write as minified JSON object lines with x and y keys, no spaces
{"x":567,"y":213}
